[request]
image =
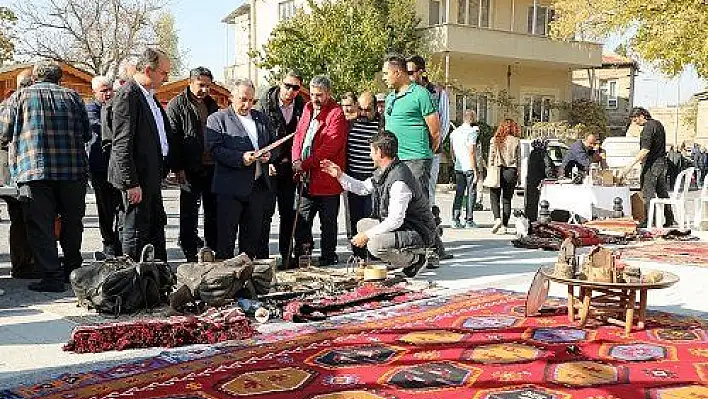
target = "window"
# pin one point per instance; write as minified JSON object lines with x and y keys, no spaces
{"x":286,"y":10}
{"x":608,"y":93}
{"x":473,"y":12}
{"x":436,"y":12}
{"x":537,"y":108}
{"x":544,"y":16}
{"x":477,"y":102}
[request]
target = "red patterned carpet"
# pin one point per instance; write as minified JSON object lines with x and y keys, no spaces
{"x":675,"y":252}
{"x":477,"y":345}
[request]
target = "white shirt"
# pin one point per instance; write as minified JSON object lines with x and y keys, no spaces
{"x":462,"y":140}
{"x":287,"y":110}
{"x":250,"y":125}
{"x":399,"y":198}
{"x":159,"y":122}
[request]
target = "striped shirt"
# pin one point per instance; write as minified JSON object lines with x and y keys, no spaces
{"x":359,"y":162}
{"x":46,"y":126}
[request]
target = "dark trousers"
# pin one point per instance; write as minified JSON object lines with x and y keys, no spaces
{"x":358,"y":207}
{"x":464,"y":186}
{"x":653,"y":184}
{"x":242,"y":218}
{"x":196,"y":192}
{"x":421,"y":170}
{"x":328,"y":208}
{"x":144,"y":223}
{"x":284,"y":196}
{"x":45,"y":200}
{"x":109,"y":206}
{"x":503,"y":194}
{"x":21,"y":258}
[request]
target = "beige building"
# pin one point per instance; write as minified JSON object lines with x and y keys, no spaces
{"x":702,"y":120}
{"x":484,"y":47}
{"x":612,"y":86}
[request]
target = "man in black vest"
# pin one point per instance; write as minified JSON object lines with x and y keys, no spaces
{"x":401,"y":223}
{"x":283,"y":106}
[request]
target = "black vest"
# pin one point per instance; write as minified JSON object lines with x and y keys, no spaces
{"x":418,"y":215}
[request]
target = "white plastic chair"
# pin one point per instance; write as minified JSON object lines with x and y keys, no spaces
{"x":677,"y":200}
{"x":700,"y":204}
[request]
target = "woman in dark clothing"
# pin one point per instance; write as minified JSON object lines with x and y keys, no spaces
{"x":540,"y":166}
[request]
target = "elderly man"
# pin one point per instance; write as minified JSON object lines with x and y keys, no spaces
{"x":283,"y":106}
{"x":652,"y":155}
{"x":234,"y":138}
{"x":321,"y":134}
{"x":108,"y":198}
{"x":581,"y":155}
{"x":138,"y":163}
{"x":188,"y":113}
{"x":49,"y":163}
{"x":402,"y":225}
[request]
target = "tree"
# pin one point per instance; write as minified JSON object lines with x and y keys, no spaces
{"x":7,"y":21}
{"x":346,"y":40}
{"x":168,"y":42}
{"x":94,"y":35}
{"x":671,"y":34}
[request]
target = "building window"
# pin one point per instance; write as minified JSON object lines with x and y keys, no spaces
{"x":436,"y":12}
{"x":544,"y":17}
{"x":473,"y":12}
{"x":286,"y":10}
{"x":477,"y":102}
{"x":537,"y":108}
{"x":608,"y":93}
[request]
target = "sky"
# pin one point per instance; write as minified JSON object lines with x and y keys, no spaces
{"x":208,"y":42}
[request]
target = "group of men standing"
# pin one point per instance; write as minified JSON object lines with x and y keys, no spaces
{"x":126,"y":143}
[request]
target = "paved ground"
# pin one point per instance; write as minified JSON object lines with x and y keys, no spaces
{"x":34,"y":326}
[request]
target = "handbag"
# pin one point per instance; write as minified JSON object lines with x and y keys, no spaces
{"x":492,"y":178}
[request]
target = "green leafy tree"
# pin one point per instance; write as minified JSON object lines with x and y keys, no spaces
{"x":669,"y":33}
{"x":7,"y":47}
{"x":343,"y":39}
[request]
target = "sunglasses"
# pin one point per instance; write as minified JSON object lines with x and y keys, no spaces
{"x":413,"y":71}
{"x":291,"y":86}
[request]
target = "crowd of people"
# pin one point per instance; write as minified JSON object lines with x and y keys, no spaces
{"x":257,"y":155}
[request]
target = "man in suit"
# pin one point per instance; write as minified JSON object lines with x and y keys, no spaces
{"x":138,"y":162}
{"x":233,"y":138}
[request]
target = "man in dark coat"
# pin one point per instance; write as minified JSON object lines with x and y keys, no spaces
{"x":138,"y":163}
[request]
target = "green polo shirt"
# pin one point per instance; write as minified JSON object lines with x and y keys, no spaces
{"x":405,"y":117}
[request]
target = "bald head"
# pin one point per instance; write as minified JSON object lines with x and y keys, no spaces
{"x":469,"y":116}
{"x":367,"y":105}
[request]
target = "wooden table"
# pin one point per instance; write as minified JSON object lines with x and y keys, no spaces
{"x":615,"y":303}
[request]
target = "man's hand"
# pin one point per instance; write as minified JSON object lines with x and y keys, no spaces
{"x":297,"y":166}
{"x":135,"y":195}
{"x":271,"y":170}
{"x":331,"y":168}
{"x":360,"y":240}
{"x":265,"y":157}
{"x":249,"y":158}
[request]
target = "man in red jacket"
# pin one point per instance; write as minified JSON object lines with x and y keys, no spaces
{"x":321,"y":134}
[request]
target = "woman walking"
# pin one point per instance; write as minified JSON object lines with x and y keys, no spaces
{"x":504,"y":155}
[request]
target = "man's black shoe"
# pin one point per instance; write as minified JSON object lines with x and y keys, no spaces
{"x":413,"y":269}
{"x":46,"y":286}
{"x":446,"y":256}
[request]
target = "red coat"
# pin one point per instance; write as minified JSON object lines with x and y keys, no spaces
{"x":329,"y":143}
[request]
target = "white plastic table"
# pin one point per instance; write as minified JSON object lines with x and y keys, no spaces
{"x":579,"y":199}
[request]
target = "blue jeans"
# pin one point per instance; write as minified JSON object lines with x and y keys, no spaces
{"x":465,"y":185}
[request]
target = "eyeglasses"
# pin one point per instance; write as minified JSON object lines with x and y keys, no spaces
{"x":411,"y":72}
{"x":290,"y":86}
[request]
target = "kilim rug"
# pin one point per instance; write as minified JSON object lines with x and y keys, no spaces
{"x":476,"y":345}
{"x":675,"y":252}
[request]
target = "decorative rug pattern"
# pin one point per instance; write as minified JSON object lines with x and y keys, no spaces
{"x":674,"y":252}
{"x":476,"y":345}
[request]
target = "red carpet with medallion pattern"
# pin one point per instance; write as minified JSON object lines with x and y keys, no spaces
{"x":476,"y":345}
{"x":675,"y":252}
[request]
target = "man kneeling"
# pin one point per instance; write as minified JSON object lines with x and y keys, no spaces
{"x":401,"y":225}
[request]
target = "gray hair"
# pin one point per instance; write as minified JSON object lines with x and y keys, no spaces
{"x":293,"y":73}
{"x":242,"y":82}
{"x":47,"y":71}
{"x":123,"y":69}
{"x":98,"y":81}
{"x":150,"y":57}
{"x":322,"y":82}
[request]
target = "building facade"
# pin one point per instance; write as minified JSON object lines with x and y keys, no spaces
{"x":612,"y":86}
{"x":496,"y":55}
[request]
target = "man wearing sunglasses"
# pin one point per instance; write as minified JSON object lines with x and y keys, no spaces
{"x":283,"y":106}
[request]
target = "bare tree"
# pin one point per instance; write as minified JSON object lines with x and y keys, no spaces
{"x":94,"y":35}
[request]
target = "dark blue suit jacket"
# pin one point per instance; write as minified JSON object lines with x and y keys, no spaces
{"x":227,"y":141}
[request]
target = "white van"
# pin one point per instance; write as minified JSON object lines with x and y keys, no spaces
{"x":620,"y":152}
{"x":556,"y":150}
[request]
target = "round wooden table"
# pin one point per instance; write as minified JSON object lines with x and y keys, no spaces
{"x":614,"y":303}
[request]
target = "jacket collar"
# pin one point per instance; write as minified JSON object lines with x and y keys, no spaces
{"x":379,"y":175}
